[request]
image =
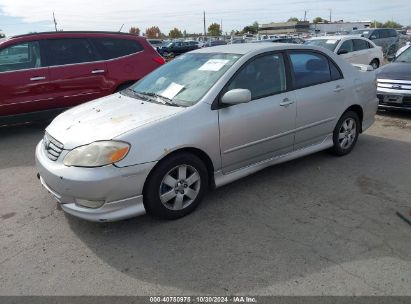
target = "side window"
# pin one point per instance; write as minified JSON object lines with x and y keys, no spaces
{"x":375,"y":35}
{"x":348,"y":46}
{"x":360,"y":44}
{"x":384,"y":33}
{"x":20,"y":57}
{"x":110,"y":48}
{"x":263,"y":76}
{"x":309,"y":69}
{"x":393,"y":33}
{"x":68,"y":51}
{"x":335,"y":72}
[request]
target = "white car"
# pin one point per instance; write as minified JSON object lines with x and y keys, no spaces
{"x":352,"y":48}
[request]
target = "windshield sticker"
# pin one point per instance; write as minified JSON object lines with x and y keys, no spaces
{"x":213,"y":65}
{"x":331,"y":41}
{"x":172,"y":90}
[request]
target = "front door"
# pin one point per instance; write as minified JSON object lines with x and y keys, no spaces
{"x":264,"y":127}
{"x":75,"y":74}
{"x":24,"y":81}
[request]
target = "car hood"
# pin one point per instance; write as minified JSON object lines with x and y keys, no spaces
{"x":395,"y":70}
{"x":105,"y":119}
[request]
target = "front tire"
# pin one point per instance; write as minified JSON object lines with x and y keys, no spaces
{"x":346,"y":133}
{"x":176,"y":186}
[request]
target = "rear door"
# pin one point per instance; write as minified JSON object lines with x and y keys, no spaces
{"x":321,"y":95}
{"x":361,"y":48}
{"x":76,"y":74}
{"x":24,"y":80}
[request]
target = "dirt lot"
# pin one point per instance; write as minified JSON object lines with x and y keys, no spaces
{"x":317,"y":225}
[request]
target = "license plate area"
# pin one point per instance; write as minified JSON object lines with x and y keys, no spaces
{"x":392,"y":99}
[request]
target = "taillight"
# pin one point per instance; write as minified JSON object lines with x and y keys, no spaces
{"x":159,"y":60}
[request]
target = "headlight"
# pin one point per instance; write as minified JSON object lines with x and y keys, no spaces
{"x":97,"y":154}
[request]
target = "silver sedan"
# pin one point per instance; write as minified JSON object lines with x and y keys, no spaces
{"x":205,"y":119}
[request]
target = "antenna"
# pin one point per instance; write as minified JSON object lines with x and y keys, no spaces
{"x":55,"y":22}
{"x":121,"y":28}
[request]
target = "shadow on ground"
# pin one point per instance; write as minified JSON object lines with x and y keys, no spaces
{"x":280,"y":224}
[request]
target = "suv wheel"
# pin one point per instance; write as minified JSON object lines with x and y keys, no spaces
{"x":346,"y":133}
{"x":176,"y":186}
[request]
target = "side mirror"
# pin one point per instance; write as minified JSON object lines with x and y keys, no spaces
{"x":373,"y":37}
{"x":391,"y":58}
{"x":236,"y":96}
{"x":342,"y":52}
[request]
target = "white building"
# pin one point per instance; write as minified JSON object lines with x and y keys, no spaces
{"x":338,"y":27}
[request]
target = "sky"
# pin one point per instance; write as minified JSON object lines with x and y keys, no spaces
{"x":23,"y":16}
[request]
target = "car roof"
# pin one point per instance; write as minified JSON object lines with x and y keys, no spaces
{"x":337,"y":37}
{"x":246,"y":48}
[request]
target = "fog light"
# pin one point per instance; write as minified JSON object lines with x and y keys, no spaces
{"x":89,"y":204}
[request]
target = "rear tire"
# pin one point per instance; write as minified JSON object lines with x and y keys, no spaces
{"x":176,"y":186}
{"x":346,"y":133}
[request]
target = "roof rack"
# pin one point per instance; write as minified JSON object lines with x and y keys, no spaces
{"x":74,"y":32}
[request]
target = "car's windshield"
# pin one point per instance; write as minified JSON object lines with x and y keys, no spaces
{"x":186,"y":79}
{"x":404,"y":56}
{"x":329,"y":44}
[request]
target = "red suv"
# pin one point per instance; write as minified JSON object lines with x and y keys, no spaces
{"x":44,"y":73}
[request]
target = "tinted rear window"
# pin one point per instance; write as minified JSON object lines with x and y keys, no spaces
{"x":109,"y":48}
{"x":360,"y":44}
{"x":68,"y":51}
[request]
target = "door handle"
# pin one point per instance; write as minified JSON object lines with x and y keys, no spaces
{"x":286,"y":102}
{"x":338,"y":89}
{"x":37,"y":78}
{"x":97,"y":71}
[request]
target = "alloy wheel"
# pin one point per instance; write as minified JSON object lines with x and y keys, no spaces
{"x":180,"y":187}
{"x":347,"y":133}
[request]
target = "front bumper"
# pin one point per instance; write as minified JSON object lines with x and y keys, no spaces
{"x":120,"y":188}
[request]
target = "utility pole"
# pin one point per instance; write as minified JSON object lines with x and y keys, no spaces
{"x":221,"y":26}
{"x":305,"y":15}
{"x":330,"y":14}
{"x":55,"y":22}
{"x":205,"y":33}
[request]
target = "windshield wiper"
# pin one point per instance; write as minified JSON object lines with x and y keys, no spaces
{"x":165,"y":99}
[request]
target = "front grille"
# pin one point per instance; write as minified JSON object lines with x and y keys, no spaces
{"x":394,"y":85}
{"x":53,"y":147}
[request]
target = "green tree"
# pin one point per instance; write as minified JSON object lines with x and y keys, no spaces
{"x":318,"y":20}
{"x":293,"y":19}
{"x":153,"y":32}
{"x":175,"y":33}
{"x":134,"y":30}
{"x":252,"y":29}
{"x":392,"y":24}
{"x":376,"y":24}
{"x":214,"y":29}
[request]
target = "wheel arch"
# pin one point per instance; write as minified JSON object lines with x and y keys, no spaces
{"x":195,"y":151}
{"x":357,"y":109}
{"x":124,"y":85}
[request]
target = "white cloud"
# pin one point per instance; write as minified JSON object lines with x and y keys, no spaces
{"x":235,"y":14}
